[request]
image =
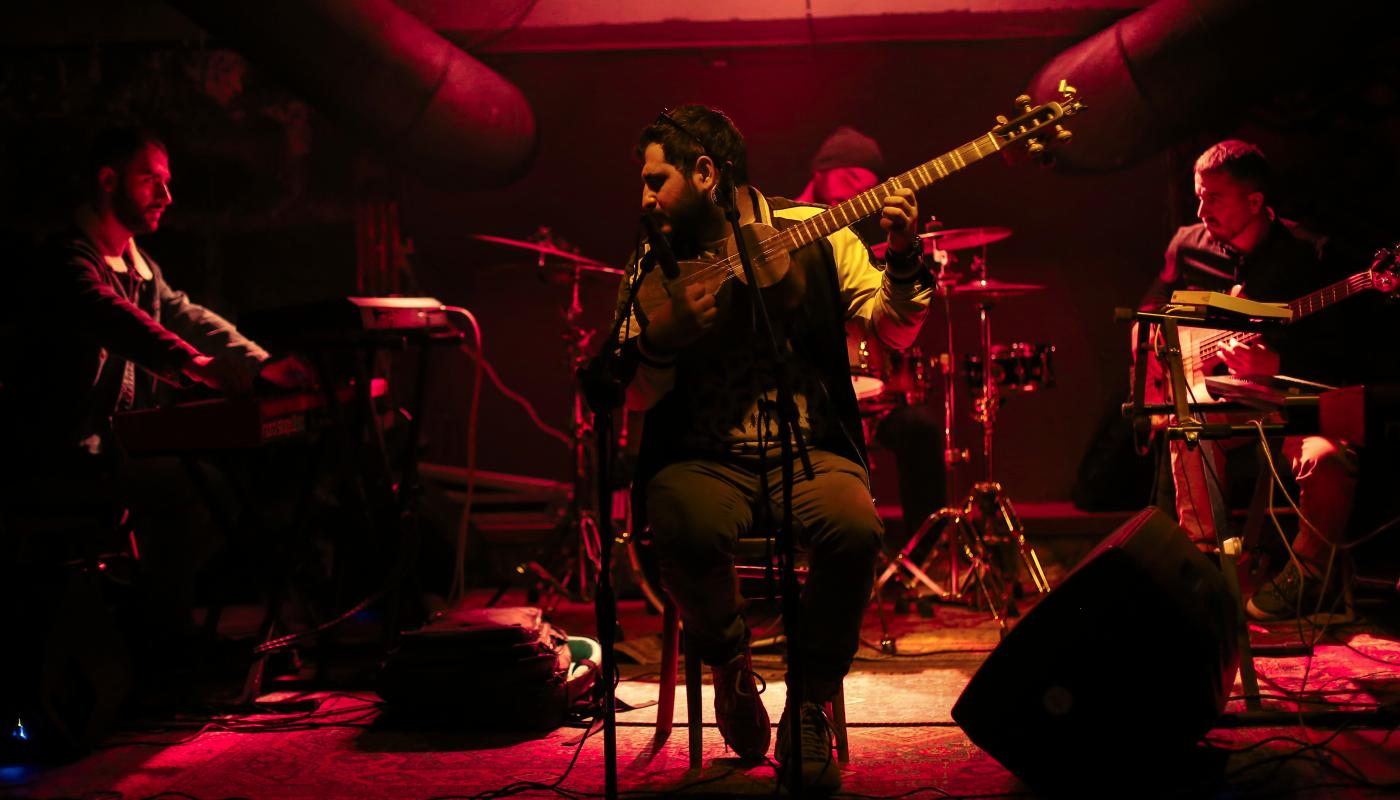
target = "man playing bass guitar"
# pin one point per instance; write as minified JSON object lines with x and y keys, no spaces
{"x":1240,"y":246}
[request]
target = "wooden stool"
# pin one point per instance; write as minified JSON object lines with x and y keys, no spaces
{"x":666,"y":693}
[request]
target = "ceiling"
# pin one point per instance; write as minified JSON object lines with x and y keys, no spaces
{"x":506,"y":26}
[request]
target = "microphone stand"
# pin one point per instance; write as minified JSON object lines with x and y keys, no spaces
{"x":789,"y":437}
{"x":603,"y":388}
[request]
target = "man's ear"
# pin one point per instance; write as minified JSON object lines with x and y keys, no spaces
{"x":108,"y":180}
{"x":705,"y":175}
{"x":1256,"y":202}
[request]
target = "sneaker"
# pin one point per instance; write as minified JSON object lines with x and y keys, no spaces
{"x":820,"y":772}
{"x":1292,"y":593}
{"x":743,"y":721}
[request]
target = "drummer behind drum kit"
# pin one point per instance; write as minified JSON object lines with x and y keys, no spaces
{"x":977,"y":546}
{"x":974,"y":557}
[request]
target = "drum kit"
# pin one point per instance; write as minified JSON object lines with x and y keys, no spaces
{"x":968,"y":553}
{"x":977,"y":549}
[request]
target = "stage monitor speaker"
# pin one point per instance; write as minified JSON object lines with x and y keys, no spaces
{"x":1123,"y":667}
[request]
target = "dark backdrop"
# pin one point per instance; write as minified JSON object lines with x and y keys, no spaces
{"x":1094,"y":242}
{"x":265,"y":191}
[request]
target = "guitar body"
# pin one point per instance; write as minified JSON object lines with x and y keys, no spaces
{"x":783,"y":284}
{"x":1195,"y":367}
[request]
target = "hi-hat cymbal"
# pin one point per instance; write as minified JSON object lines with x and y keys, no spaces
{"x":551,"y":251}
{"x":965,"y":238}
{"x":992,"y":289}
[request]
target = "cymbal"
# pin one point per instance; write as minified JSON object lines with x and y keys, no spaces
{"x":994,"y":289}
{"x":954,"y":239}
{"x":965,"y":238}
{"x":550,"y":251}
{"x":555,"y":271}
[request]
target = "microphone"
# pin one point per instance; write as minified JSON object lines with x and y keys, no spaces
{"x":661,"y":249}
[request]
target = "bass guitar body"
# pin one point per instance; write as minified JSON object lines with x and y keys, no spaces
{"x":1196,"y":367}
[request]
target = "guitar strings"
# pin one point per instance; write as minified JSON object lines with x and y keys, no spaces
{"x":1211,"y":345}
{"x":771,"y":246}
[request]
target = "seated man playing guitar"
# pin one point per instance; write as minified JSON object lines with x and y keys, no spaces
{"x":709,"y":469}
{"x":1241,"y":247}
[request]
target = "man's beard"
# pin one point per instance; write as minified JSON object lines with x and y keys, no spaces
{"x":133,"y":216}
{"x":687,"y":220}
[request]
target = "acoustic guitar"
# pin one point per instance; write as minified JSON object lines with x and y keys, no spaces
{"x":770,"y":248}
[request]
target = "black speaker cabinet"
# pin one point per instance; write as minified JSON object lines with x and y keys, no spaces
{"x":1120,"y":669}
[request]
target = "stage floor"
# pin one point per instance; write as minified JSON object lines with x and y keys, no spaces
{"x":903,"y":740}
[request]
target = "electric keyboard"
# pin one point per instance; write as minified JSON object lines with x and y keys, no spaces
{"x":228,"y":423}
{"x":349,"y":320}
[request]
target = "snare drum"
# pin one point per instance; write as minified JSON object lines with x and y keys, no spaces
{"x":1016,"y":367}
{"x":886,"y":379}
{"x":867,"y":361}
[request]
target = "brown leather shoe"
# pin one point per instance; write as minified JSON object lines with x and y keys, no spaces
{"x":739,"y":710}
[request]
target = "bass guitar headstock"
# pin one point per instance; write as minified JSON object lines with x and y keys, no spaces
{"x":1039,"y":125}
{"x":1385,"y":269}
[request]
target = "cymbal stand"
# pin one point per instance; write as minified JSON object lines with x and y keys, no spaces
{"x":993,"y":553}
{"x":905,"y":559}
{"x":582,"y":553}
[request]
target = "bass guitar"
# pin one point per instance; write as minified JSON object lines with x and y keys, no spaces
{"x":1201,"y":347}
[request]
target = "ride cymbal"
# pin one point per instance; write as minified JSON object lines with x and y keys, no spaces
{"x":550,"y":250}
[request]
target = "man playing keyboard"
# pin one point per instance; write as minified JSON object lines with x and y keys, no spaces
{"x":94,"y":328}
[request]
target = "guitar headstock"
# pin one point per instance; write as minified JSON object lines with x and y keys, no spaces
{"x":1040,"y":125}
{"x":1385,"y":269}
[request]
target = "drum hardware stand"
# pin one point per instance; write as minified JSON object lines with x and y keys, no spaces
{"x":579,"y":539}
{"x":970,"y":533}
{"x":904,"y":559}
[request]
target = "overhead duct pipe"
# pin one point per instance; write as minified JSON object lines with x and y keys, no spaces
{"x":1177,"y":66}
{"x":387,"y":76}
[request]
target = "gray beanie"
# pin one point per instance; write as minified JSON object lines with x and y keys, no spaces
{"x":848,"y":147}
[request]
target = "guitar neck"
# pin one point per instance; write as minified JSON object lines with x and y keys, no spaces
{"x":1302,"y":307}
{"x":870,"y":201}
{"x":1337,"y":292}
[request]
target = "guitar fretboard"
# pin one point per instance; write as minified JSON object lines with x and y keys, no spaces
{"x":1325,"y":297}
{"x":859,"y":207}
{"x":870,"y":201}
{"x":1302,"y":307}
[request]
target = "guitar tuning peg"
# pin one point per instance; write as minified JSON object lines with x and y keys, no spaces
{"x":1065,"y":88}
{"x":1001,"y":119}
{"x":1063,"y":135}
{"x":1022,"y":100}
{"x":1036,"y":149}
